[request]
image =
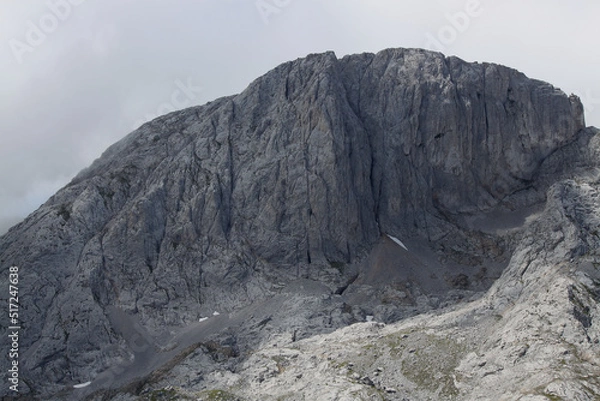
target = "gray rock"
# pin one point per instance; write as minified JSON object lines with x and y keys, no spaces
{"x":263,"y":205}
{"x":525,"y":344}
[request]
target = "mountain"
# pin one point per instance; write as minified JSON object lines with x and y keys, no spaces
{"x":450,"y":202}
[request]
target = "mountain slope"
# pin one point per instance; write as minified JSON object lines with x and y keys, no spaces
{"x":534,"y":336}
{"x":287,"y":191}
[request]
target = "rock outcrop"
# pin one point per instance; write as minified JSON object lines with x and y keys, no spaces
{"x":533,"y":337}
{"x":330,"y":190}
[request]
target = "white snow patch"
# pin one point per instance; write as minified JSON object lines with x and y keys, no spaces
{"x":370,"y":318}
{"x":82,"y":385}
{"x":397,"y":241}
{"x":215,"y":313}
{"x":202,"y":319}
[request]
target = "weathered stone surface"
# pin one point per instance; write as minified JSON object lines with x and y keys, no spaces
{"x":275,"y":203}
{"x":534,"y":336}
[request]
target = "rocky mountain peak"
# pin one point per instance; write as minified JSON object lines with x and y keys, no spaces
{"x":383,"y":185}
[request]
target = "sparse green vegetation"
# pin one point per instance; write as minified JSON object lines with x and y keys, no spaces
{"x":428,"y":360}
{"x":282,"y":362}
{"x":397,"y":342}
{"x":431,"y":366}
{"x":165,"y":394}
{"x":218,"y":395}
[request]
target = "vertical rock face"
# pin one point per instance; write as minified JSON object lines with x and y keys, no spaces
{"x":462,"y":136}
{"x":218,"y":206}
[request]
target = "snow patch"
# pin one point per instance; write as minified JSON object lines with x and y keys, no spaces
{"x":202,"y":319}
{"x":82,"y":385}
{"x":397,"y":241}
{"x":216,"y":313}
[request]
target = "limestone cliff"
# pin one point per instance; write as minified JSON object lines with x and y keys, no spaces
{"x":287,"y":202}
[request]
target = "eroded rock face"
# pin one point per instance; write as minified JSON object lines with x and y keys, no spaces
{"x":533,"y":336}
{"x":218,"y":207}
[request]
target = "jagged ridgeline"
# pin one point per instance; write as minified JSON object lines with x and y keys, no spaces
{"x":328,"y":192}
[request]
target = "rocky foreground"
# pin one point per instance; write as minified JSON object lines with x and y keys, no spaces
{"x":391,"y":226}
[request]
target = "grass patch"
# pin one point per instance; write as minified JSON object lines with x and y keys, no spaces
{"x":218,"y":395}
{"x":431,"y":366}
{"x":164,"y":394}
{"x":397,"y":342}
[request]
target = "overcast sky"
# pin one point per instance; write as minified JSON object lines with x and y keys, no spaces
{"x":78,"y":75}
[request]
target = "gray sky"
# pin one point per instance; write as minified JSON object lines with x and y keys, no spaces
{"x":78,"y":75}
